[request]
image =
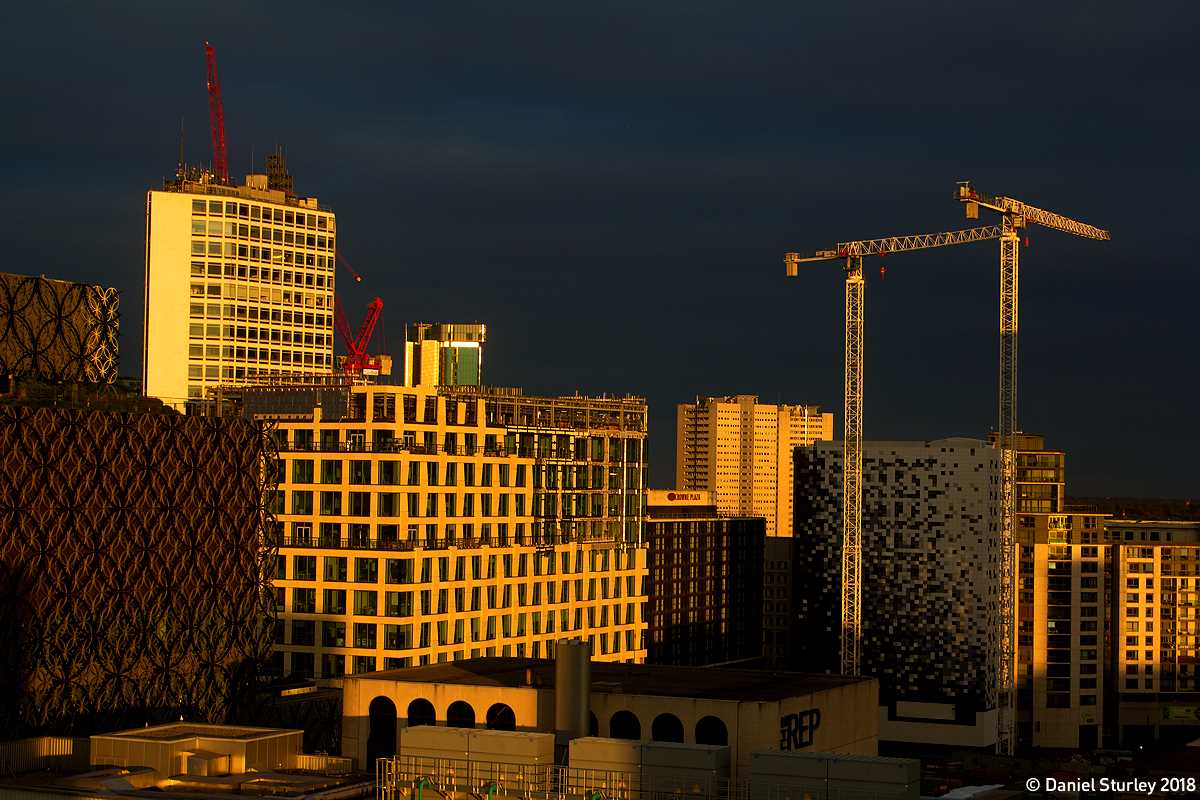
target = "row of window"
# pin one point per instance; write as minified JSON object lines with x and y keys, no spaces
{"x":400,"y":604}
{"x":299,"y":276}
{"x":360,"y":472}
{"x":333,"y":665}
{"x":217,"y":311}
{"x":253,"y":252}
{"x":319,"y":341}
{"x":214,"y":372}
{"x":256,"y":233}
{"x":279,"y":216}
{"x":215,"y":291}
{"x":440,"y":536}
{"x":403,"y":570}
{"x":388,"y":504}
{"x":303,"y":633}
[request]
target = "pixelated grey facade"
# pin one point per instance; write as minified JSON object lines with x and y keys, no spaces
{"x":58,"y":330}
{"x":930,"y":593}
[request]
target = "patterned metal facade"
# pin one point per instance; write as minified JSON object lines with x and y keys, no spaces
{"x":930,"y":557}
{"x":58,"y":330}
{"x":133,"y":567}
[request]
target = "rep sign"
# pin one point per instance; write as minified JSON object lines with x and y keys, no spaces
{"x":796,"y":731}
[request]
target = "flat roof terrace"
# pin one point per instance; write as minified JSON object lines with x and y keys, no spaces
{"x":177,"y":731}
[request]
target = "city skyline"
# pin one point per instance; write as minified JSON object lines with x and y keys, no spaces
{"x":546,"y":171}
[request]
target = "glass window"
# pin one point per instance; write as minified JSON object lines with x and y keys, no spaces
{"x":399,"y":570}
{"x":397,"y":637}
{"x":335,"y":601}
{"x":366,"y":603}
{"x":360,"y":472}
{"x":333,"y":634}
{"x":331,"y":470}
{"x":335,"y":568}
{"x":366,"y":570}
{"x":398,"y":604}
{"x":364,"y":636}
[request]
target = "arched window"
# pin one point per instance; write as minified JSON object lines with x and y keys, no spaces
{"x":593,"y":724}
{"x":625,"y":725}
{"x":420,"y":712}
{"x":500,"y":718}
{"x":460,"y":715}
{"x":666,"y":728}
{"x":711,"y":730}
{"x":381,"y":740}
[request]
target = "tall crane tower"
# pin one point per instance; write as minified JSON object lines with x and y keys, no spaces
{"x":852,"y":254}
{"x":1014,"y":215}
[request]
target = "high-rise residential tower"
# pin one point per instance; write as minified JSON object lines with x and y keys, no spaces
{"x":741,"y":450}
{"x":239,"y":285}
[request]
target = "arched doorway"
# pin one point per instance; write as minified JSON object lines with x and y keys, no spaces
{"x":460,"y":715}
{"x":420,"y":712}
{"x":666,"y":728}
{"x":381,"y":740}
{"x":625,"y":725}
{"x":501,"y":718}
{"x":711,"y":730}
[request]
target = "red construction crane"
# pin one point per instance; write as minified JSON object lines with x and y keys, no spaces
{"x":356,"y":347}
{"x":216,"y":117}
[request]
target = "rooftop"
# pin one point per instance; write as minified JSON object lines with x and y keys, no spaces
{"x":175,"y":731}
{"x":694,"y":682}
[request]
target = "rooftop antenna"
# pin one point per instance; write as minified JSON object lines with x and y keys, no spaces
{"x":181,"y":168}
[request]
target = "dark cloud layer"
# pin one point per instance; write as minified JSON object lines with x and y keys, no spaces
{"x":612,"y":186}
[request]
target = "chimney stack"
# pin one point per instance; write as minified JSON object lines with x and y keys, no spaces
{"x":572,"y":687}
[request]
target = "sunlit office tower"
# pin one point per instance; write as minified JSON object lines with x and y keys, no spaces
{"x":741,"y":450}
{"x":238,"y":286}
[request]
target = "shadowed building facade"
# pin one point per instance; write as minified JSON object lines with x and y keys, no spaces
{"x":132,"y":566}
{"x":706,"y":581}
{"x":133,"y":581}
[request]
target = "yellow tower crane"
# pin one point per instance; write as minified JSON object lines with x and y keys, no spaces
{"x":1014,"y":215}
{"x":852,"y":253}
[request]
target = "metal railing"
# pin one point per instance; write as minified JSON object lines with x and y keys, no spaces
{"x":318,"y":542}
{"x":398,"y":778}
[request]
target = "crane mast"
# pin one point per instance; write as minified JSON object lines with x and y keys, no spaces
{"x":1014,"y":215}
{"x":216,"y":117}
{"x":853,"y":253}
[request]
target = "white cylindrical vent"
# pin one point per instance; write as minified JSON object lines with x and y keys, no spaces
{"x":572,"y":686}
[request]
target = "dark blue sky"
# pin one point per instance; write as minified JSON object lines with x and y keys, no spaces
{"x":612,"y":186}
